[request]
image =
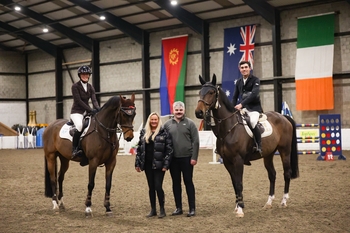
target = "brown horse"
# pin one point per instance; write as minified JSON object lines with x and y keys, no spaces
{"x":100,"y":145}
{"x":234,"y":144}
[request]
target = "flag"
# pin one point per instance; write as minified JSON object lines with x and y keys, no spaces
{"x":238,"y":46}
{"x":173,"y":72}
{"x":314,"y":63}
{"x":286,"y":110}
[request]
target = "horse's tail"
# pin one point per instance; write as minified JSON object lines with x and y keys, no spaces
{"x":294,"y":150}
{"x":48,"y":188}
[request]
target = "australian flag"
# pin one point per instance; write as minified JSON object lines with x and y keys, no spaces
{"x":238,"y":46}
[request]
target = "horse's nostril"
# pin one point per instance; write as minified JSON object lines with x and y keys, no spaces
{"x":199,"y":114}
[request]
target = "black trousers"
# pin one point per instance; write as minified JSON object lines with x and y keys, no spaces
{"x":183,"y":166}
{"x":155,"y":179}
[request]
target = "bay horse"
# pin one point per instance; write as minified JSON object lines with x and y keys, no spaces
{"x":100,"y":146}
{"x":234,"y":144}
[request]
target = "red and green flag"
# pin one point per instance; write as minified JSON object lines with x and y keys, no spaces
{"x":173,"y":72}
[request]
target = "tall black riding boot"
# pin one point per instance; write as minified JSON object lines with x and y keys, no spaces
{"x":76,"y":138}
{"x":257,"y":137}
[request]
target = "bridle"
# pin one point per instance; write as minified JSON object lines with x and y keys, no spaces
{"x":209,"y":105}
{"x":215,"y":104}
{"x":128,"y":111}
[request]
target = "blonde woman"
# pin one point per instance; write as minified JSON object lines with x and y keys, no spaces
{"x":154,"y":153}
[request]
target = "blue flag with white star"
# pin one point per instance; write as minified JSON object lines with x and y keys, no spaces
{"x":238,"y":46}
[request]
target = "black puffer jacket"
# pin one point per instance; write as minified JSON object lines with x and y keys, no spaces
{"x":163,"y":150}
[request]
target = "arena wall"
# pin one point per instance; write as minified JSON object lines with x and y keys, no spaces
{"x":121,"y":66}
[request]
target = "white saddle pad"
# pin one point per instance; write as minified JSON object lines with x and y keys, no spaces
{"x":264,"y":122}
{"x":64,"y":132}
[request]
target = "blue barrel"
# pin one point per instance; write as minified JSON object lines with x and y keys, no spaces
{"x":39,"y":137}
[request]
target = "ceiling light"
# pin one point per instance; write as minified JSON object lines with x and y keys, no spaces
{"x":102,"y":17}
{"x":17,"y":8}
{"x":45,"y":30}
{"x":173,"y":2}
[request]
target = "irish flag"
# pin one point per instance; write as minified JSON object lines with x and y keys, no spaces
{"x":173,"y":72}
{"x":314,"y":63}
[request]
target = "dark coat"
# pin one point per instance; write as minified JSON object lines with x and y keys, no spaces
{"x":163,"y":150}
{"x":81,"y":98}
{"x":249,"y":93}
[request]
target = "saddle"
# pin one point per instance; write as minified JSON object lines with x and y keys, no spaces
{"x":263,"y":125}
{"x":68,"y":129}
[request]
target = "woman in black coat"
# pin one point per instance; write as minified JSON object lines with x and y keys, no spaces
{"x":154,"y":153}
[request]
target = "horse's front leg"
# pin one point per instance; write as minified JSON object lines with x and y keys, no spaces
{"x":110,"y":165}
{"x":236,"y":173}
{"x":91,"y":185}
{"x":268,"y":162}
{"x":51,"y":180}
{"x":63,"y":169}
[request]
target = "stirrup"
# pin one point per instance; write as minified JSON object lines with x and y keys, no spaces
{"x":77,"y":152}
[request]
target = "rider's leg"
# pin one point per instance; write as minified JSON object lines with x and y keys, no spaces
{"x":76,"y":138}
{"x":78,"y":122}
{"x":254,"y":118}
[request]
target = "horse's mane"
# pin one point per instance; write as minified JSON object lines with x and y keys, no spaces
{"x":113,"y":101}
{"x":225,"y":101}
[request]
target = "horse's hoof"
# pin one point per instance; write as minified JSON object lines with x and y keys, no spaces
{"x":109,"y":214}
{"x":239,"y":212}
{"x":88,"y":212}
{"x":284,"y":205}
{"x":266,"y":206}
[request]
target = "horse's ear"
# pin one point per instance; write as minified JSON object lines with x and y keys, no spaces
{"x":214,"y":80}
{"x":133,"y":97}
{"x":201,"y":80}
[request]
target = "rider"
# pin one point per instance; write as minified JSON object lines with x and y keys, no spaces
{"x":82,"y":91}
{"x":248,"y":87}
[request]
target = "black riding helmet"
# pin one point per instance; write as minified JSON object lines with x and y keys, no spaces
{"x":84,"y":70}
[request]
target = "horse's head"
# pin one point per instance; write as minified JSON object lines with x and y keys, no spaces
{"x":126,"y":117}
{"x":208,"y":97}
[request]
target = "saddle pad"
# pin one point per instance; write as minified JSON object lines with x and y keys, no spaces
{"x":64,"y":132}
{"x":267,"y":126}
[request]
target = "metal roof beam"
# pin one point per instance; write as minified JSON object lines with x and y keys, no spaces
{"x":82,"y":40}
{"x":264,"y":9}
{"x":4,"y":47}
{"x":41,"y":44}
{"x":129,"y":29}
{"x":191,"y":20}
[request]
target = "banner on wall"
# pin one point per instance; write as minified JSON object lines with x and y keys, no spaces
{"x":314,"y":63}
{"x":238,"y":46}
{"x":173,"y":72}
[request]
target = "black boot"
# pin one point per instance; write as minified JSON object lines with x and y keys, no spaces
{"x":162,"y":210}
{"x":75,"y":150}
{"x":257,"y":137}
{"x":152,"y":200}
{"x":152,"y":213}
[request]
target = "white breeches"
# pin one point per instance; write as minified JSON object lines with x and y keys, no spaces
{"x":77,"y":120}
{"x":254,"y":117}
